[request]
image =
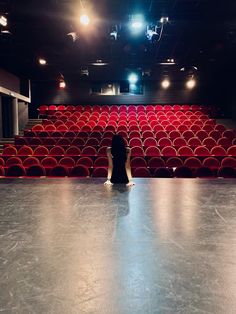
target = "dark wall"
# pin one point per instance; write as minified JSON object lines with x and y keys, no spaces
{"x":80,"y":93}
{"x":9,"y":81}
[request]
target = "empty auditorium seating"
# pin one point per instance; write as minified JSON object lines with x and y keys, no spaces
{"x":162,"y":138}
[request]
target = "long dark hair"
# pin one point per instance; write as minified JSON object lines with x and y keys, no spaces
{"x":118,"y":149}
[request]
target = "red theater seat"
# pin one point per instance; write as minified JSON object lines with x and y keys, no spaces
{"x":179,"y":142}
{"x":73,"y":151}
{"x":211,"y":162}
{"x":79,"y":171}
{"x":231,"y":151}
{"x":174,"y":134}
{"x":43,"y":134}
{"x":169,"y":151}
{"x":59,"y":171}
{"x":224,"y":142}
{"x":192,"y":162}
{"x":165,"y":141}
{"x":85,"y":161}
{"x":138,"y":162}
{"x":2,"y":162}
{"x":67,"y":162}
{"x":30,"y":161}
{"x":220,"y":127}
{"x":218,"y":151}
{"x":49,"y":162}
{"x":201,"y":135}
{"x":50,"y":141}
{"x":183,"y":172}
{"x":229,"y":162}
{"x":102,"y":151}
{"x":43,"y":109}
{"x":194,"y":142}
{"x":152,"y":151}
{"x":201,"y":151}
{"x":92,"y":142}
{"x":9,"y":151}
{"x":141,"y":172}
{"x":174,"y":162}
{"x":215,"y":134}
{"x":25,"y":151}
{"x":209,"y":142}
{"x":204,"y":172}
{"x":156,"y":162}
{"x":150,"y":141}
{"x":41,"y":151}
{"x":57,"y":151}
{"x":185,"y":151}
{"x":50,"y":128}
{"x":15,"y":171}
{"x":106,"y":142}
{"x":38,"y":128}
{"x":162,"y":173}
{"x":101,"y":162}
{"x":100,"y":172}
{"x":226,"y":172}
{"x":2,"y":171}
{"x":137,"y":151}
{"x":12,"y":161}
{"x":230,"y":134}
{"x":35,"y":141}
{"x":61,"y":108}
{"x":89,"y":151}
{"x":21,"y":141}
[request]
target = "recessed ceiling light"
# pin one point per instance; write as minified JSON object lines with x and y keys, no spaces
{"x":42,"y":61}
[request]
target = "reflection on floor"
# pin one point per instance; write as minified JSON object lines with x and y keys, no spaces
{"x":163,"y":246}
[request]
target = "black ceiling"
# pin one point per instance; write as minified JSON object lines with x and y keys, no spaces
{"x":199,"y":33}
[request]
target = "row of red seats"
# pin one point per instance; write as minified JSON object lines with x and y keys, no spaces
{"x":158,"y":141}
{"x":193,"y":142}
{"x":186,"y":134}
{"x":128,"y":121}
{"x":135,"y":151}
{"x":83,"y":171}
{"x":153,"y":163}
{"x":132,"y":116}
{"x":118,"y":108}
{"x":145,"y":127}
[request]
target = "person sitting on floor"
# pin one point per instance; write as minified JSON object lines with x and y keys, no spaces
{"x":119,"y":170}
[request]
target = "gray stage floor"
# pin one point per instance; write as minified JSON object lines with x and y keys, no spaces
{"x":163,"y":246}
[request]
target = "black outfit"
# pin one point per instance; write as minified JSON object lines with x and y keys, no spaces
{"x":119,"y":171}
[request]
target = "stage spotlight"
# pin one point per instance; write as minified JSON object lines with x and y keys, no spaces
{"x":42,"y":61}
{"x":133,"y":78}
{"x":165,"y":83}
{"x":164,"y":19}
{"x":137,"y":24}
{"x":62,"y":84}
{"x":84,"y":19}
{"x":191,"y":83}
{"x":3,"y":21}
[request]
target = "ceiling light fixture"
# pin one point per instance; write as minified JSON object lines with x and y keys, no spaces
{"x":99,"y":63}
{"x":62,"y":84}
{"x":3,"y":21}
{"x":165,"y":83}
{"x":191,"y":83}
{"x":133,"y":78}
{"x":84,"y":19}
{"x":42,"y":61}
